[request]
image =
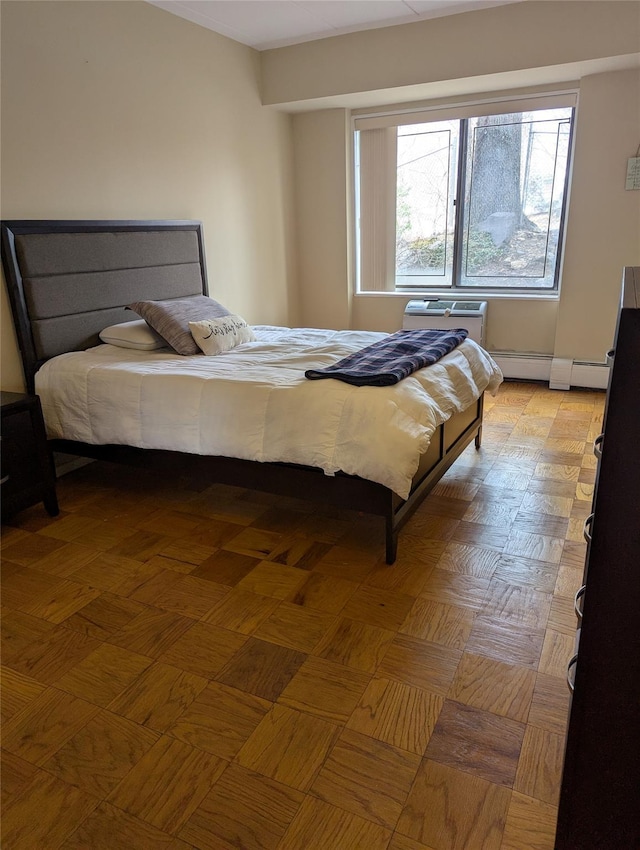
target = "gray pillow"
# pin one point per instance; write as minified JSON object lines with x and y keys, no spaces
{"x":171,"y":318}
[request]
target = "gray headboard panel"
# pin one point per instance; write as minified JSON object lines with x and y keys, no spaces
{"x":67,"y":280}
{"x":59,"y":253}
{"x":68,"y":294}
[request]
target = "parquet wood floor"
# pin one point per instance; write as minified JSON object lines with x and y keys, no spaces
{"x":187,"y":666}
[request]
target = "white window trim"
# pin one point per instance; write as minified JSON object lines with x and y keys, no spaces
{"x":382,"y":281}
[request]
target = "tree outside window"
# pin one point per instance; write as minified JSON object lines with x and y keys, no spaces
{"x":478,"y":201}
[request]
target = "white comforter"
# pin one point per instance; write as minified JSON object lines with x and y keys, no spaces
{"x":253,"y":402}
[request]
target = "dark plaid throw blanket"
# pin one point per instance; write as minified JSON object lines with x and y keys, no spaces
{"x":388,"y":361}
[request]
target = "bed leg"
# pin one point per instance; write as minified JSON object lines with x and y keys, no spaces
{"x":479,"y":438}
{"x":391,"y":541}
{"x":51,"y":504}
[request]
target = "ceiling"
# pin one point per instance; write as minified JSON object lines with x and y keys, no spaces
{"x":263,"y":24}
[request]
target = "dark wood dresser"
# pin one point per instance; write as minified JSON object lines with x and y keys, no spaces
{"x":600,"y":794}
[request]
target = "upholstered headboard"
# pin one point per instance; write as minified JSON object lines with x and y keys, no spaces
{"x":67,"y":280}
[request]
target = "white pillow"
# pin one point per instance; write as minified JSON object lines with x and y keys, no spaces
{"x":213,"y":336}
{"x":136,"y":334}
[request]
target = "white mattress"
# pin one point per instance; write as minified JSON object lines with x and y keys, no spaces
{"x":253,"y":402}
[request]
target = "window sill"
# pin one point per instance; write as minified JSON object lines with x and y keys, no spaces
{"x":457,"y":295}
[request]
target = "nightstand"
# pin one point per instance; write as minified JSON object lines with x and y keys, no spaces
{"x":27,"y":472}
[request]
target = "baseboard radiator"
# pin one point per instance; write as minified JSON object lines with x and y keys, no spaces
{"x":561,"y":373}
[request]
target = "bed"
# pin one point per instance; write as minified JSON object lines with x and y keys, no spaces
{"x":247,"y":417}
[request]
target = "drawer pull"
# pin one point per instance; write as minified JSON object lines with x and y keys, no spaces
{"x":609,"y":356}
{"x":597,"y":446}
{"x":587,"y":528}
{"x":4,"y":479}
{"x":571,"y":669}
{"x":576,"y":602}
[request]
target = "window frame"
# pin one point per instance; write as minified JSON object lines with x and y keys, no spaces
{"x":462,"y":111}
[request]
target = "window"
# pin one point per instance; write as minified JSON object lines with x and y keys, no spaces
{"x":463,"y":201}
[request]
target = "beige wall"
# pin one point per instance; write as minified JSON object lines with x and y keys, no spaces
{"x":603,"y":232}
{"x":514,"y":325}
{"x":602,"y":236}
{"x":121,"y":110}
{"x":603,"y":227}
{"x":504,"y":39}
{"x":323,"y":224}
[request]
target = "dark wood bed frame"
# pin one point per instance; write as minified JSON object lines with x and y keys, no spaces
{"x":343,"y":491}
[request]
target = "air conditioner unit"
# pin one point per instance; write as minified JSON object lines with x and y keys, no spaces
{"x":435,"y":313}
